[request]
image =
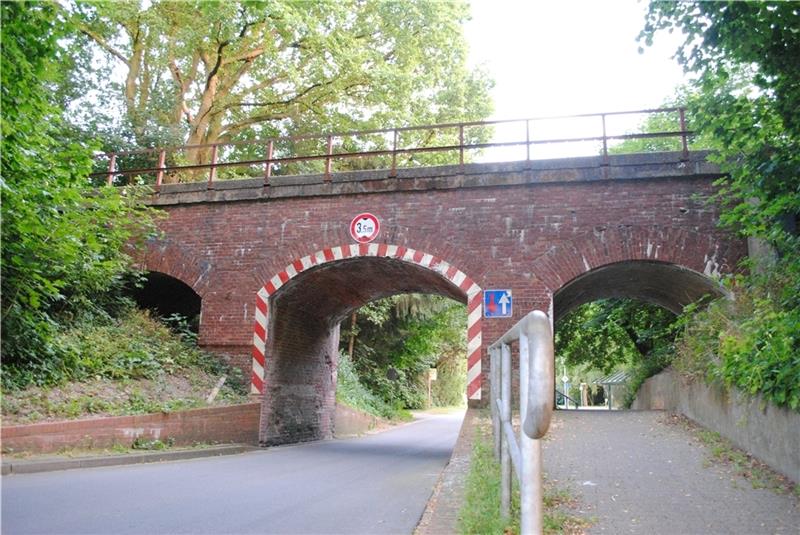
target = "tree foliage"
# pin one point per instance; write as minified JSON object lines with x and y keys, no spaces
{"x":665,"y":122}
{"x":612,"y":333}
{"x":63,"y":245}
{"x":214,"y":71}
{"x":746,"y":97}
{"x":400,"y":338}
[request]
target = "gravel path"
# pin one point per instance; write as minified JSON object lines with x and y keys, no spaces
{"x":633,"y":472}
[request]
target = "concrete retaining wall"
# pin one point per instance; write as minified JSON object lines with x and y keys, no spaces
{"x":350,"y":422}
{"x":770,"y":433}
{"x":234,"y":424}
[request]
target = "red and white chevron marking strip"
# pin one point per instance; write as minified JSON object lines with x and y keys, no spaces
{"x":451,"y":273}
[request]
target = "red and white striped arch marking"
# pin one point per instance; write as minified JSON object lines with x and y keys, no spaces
{"x":451,"y":273}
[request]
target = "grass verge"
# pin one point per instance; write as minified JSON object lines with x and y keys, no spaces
{"x":722,"y":452}
{"x":480,"y":513}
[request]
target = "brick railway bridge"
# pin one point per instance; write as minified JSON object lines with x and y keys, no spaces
{"x":271,"y":263}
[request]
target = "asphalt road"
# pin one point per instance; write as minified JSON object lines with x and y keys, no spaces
{"x":375,"y":484}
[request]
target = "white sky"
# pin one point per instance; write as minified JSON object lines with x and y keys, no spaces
{"x":566,"y":57}
{"x":551,"y":57}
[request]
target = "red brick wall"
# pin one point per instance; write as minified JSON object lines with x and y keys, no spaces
{"x":522,"y":237}
{"x":233,"y":424}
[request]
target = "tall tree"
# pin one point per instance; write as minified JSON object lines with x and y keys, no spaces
{"x":747,"y":97}
{"x":214,"y":71}
{"x":61,"y":247}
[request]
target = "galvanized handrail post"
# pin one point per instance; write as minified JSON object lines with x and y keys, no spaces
{"x":494,"y":380}
{"x":537,"y":384}
{"x":505,"y":417}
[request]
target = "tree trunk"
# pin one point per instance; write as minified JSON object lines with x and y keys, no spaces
{"x":352,"y":343}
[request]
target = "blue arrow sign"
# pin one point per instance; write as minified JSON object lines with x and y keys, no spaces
{"x":497,"y":304}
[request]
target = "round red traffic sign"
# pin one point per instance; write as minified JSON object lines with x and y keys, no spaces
{"x":364,"y":227}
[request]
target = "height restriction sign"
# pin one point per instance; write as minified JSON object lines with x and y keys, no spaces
{"x":364,"y":227}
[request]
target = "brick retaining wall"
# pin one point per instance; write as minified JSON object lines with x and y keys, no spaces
{"x":234,"y":424}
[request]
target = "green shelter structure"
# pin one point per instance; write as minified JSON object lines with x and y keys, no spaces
{"x":610,"y":381}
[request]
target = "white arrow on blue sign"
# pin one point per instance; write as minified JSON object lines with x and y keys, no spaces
{"x":497,"y":304}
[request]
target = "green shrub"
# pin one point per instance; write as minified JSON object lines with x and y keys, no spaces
{"x":350,"y":391}
{"x":133,"y":346}
{"x":449,"y":388}
{"x":650,"y":365}
{"x":751,"y":342}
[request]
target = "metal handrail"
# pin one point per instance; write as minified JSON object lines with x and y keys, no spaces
{"x":392,"y":137}
{"x":537,"y":382}
{"x":566,"y":397}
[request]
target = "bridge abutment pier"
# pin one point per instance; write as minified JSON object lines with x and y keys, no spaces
{"x":299,"y":404}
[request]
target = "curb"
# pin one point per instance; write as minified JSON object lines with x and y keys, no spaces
{"x":442,"y":511}
{"x":53,"y":464}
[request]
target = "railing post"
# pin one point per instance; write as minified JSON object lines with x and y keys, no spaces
{"x":162,"y":156}
{"x":536,"y":386}
{"x":505,"y":416}
{"x":328,"y":160}
{"x":494,"y":385}
{"x":268,"y":170}
{"x":212,"y":173}
{"x":605,"y":139}
{"x":112,"y":163}
{"x":528,"y":139}
{"x":530,"y":451}
{"x":461,"y":146}
{"x":684,"y":141}
{"x":393,"y":172}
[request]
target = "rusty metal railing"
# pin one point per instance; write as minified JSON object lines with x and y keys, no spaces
{"x":393,"y":152}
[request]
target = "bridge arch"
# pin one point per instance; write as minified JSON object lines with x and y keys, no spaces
{"x":166,"y":295}
{"x":671,"y":267}
{"x":165,"y":257}
{"x":380,"y":270}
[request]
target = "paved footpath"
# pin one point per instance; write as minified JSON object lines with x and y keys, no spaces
{"x":633,"y":472}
